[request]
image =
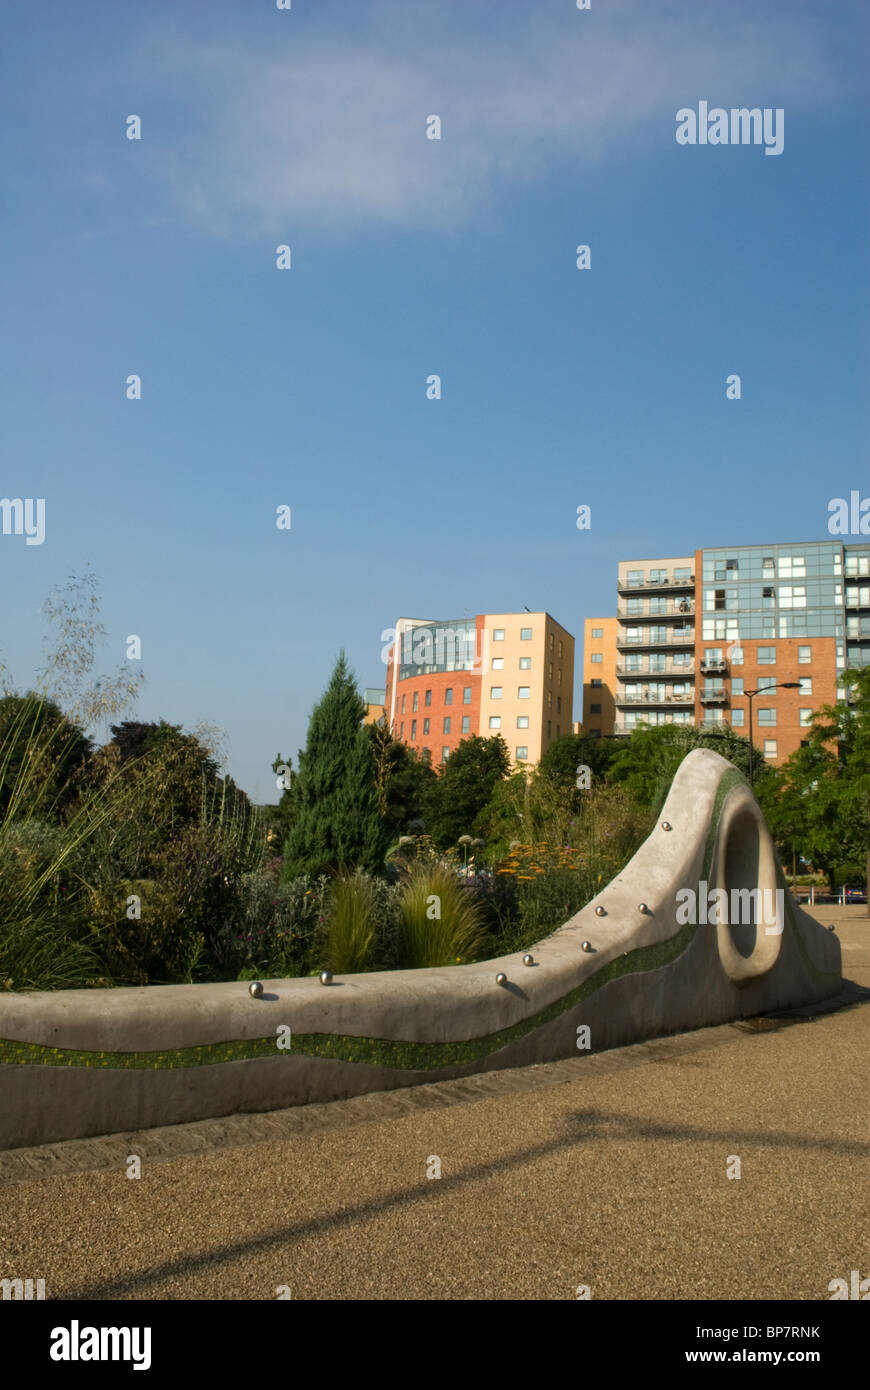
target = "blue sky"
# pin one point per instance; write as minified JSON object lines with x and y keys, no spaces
{"x":307,"y":387}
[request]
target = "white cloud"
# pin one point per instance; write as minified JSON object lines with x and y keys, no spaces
{"x":332,"y":134}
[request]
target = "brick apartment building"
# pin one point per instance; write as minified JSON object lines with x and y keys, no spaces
{"x":695,"y":636}
{"x":497,"y":673}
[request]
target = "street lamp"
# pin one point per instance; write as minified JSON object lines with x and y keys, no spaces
{"x":750,"y":695}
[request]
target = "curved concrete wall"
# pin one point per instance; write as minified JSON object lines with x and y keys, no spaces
{"x":85,"y":1062}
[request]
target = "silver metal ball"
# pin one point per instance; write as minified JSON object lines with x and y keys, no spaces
{"x":326,"y":977}
{"x":642,"y":907}
{"x":501,"y":978}
{"x":831,"y":927}
{"x":587,"y":945}
{"x":666,"y":825}
{"x":600,"y":911}
{"x":255,"y":989}
{"x":528,"y":959}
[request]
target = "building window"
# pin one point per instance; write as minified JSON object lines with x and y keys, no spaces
{"x":522,"y":754}
{"x":635,"y":579}
{"x":495,"y":692}
{"x":596,"y":684}
{"x":524,"y":692}
{"x":466,"y":695}
{"x":522,"y":721}
{"x":792,"y":567}
{"x":549,"y":699}
{"x":735,"y":654}
{"x":560,"y":651}
{"x":806,"y":718}
{"x":806,"y":685}
{"x":425,"y":726}
{"x":737,"y":718}
{"x":466,"y":723}
{"x":551,"y":641}
{"x":525,"y":663}
{"x":403,"y":704}
{"x":736,"y":685}
{"x":498,"y":663}
{"x":549,"y":729}
{"x":445,"y":754}
{"x":448,"y":697}
{"x":558,"y":731}
{"x":792,"y":595}
{"x":402,"y":729}
{"x":766,"y":656}
{"x":427,"y":699}
{"x":495,"y":721}
{"x":426,"y":755}
{"x":770,"y":747}
{"x":597,"y":632}
{"x":525,"y":634}
{"x":767,"y":683}
{"x":498,"y":634}
{"x":559,"y":676}
{"x":596,"y":658}
{"x":558,"y":704}
{"x":416,"y":703}
{"x":766,"y":717}
{"x":805,"y":656}
{"x":413,"y":729}
{"x":550,"y":670}
{"x":594,"y":709}
{"x":447,"y":724}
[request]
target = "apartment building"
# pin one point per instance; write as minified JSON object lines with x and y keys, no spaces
{"x":374,"y":700}
{"x":497,"y":673}
{"x":728,"y":632}
{"x":599,"y":676}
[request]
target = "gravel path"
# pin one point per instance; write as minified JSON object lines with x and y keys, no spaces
{"x":608,"y":1171}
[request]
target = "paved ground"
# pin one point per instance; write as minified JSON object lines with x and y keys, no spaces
{"x":607,"y":1171}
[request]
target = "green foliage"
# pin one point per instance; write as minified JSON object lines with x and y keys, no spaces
{"x":440,"y":923}
{"x":42,"y":755}
{"x":647,"y":762}
{"x":564,"y":755}
{"x":403,"y":781}
{"x":351,"y":923}
{"x":464,"y":786}
{"x":337,"y":825}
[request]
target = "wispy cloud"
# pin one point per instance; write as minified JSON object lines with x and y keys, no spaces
{"x":333,"y":133}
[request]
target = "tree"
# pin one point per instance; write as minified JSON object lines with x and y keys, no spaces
{"x":402,"y":780}
{"x":43,"y":755}
{"x":566,"y":754}
{"x":464,"y":786}
{"x":337,"y":825}
{"x":647,"y":762}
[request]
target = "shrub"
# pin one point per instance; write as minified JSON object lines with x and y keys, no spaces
{"x":455,"y":934}
{"x":351,"y":923}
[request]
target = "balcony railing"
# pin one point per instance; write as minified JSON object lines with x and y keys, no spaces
{"x":642,"y":639}
{"x":713,"y":697}
{"x":679,"y":673}
{"x":647,"y":698}
{"x":627,"y":586}
{"x":673,"y":610}
{"x":713,"y":667}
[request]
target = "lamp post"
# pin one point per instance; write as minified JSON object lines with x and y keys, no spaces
{"x":750,"y":695}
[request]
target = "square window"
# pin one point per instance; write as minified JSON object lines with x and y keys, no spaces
{"x":806,"y":685}
{"x":427,"y":698}
{"x":805,"y":656}
{"x":466,"y":695}
{"x":498,"y":634}
{"x":597,"y":632}
{"x":525,"y":663}
{"x":413,"y":729}
{"x":594,"y":709}
{"x":495,"y":692}
{"x":596,"y":684}
{"x":767,"y":683}
{"x":446,"y":729}
{"x":448,"y":697}
{"x":806,"y":718}
{"x":770,"y":747}
{"x":495,"y":721}
{"x":766,"y":656}
{"x":525,"y":634}
{"x":445,"y":754}
{"x":498,"y":663}
{"x":522,"y":721}
{"x":737,"y":718}
{"x":524,"y":692}
{"x":466,"y":723}
{"x":597,"y":658}
{"x":425,"y":726}
{"x":522,"y":754}
{"x":766,"y":717}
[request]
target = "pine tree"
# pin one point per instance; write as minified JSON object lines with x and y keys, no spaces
{"x":337,"y":825}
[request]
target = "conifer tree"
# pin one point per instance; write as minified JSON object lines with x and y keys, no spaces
{"x":337,"y":825}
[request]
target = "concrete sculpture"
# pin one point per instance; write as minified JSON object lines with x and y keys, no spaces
{"x":660,"y":950}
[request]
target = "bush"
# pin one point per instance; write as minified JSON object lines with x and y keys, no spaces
{"x":351,"y":923}
{"x":456,"y":934}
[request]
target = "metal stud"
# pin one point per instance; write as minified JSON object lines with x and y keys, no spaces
{"x":326,"y":977}
{"x":255,"y":989}
{"x":600,"y":911}
{"x":831,"y":927}
{"x":666,"y":825}
{"x":642,"y":907}
{"x":587,"y":945}
{"x":501,"y":978}
{"x":528,"y":959}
